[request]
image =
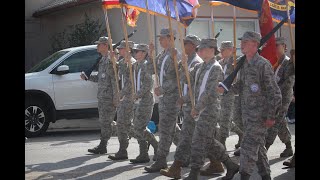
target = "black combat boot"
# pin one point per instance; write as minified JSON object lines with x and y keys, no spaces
{"x":288,"y":151}
{"x":122,"y":154}
{"x":290,"y":162}
{"x":100,"y":149}
{"x":143,"y":156}
{"x":232,"y":169}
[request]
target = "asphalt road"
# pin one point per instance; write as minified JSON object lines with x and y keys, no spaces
{"x":62,"y":154}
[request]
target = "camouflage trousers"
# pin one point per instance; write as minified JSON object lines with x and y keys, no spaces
{"x":253,"y":151}
{"x":177,"y":134}
{"x":280,"y":128}
{"x":184,"y":146}
{"x":142,"y":116}
{"x":168,"y":112}
{"x":106,"y":115}
{"x":227,"y":102}
{"x":236,"y":123}
{"x":204,"y":142}
{"x":124,"y":119}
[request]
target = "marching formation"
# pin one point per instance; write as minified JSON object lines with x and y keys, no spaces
{"x":254,"y":107}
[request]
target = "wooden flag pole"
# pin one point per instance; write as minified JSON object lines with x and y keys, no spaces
{"x":234,"y":38}
{"x":113,"y":60}
{"x":124,"y":27}
{"x":172,"y":46}
{"x":151,"y":40}
{"x":184,"y":54}
{"x":212,"y":23}
{"x":290,"y":28}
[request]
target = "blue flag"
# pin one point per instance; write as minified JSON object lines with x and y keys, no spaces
{"x":278,"y":7}
{"x":186,"y":9}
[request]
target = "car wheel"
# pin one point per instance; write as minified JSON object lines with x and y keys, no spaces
{"x":37,"y":118}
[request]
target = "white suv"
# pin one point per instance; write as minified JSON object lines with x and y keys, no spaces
{"x":54,"y":89}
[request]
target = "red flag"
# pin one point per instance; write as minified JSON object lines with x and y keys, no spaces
{"x":266,"y":25}
{"x":131,"y":15}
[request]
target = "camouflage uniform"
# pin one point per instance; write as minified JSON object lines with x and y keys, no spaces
{"x":168,"y":110}
{"x":144,"y":104}
{"x":260,"y":98}
{"x":227,"y":102}
{"x":207,"y":104}
{"x":184,"y":146}
{"x":125,"y":107}
{"x":285,"y":78}
{"x":106,"y":92}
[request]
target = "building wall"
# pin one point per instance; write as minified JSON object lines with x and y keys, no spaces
{"x":39,"y":30}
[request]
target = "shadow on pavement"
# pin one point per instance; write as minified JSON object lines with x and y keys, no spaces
{"x":67,"y":136}
{"x":75,"y":173}
{"x":290,"y":174}
{"x":69,"y":163}
{"x":111,"y":172}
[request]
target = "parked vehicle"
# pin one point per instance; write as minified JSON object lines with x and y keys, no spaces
{"x":54,"y":90}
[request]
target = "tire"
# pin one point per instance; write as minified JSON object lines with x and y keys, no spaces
{"x":37,"y":118}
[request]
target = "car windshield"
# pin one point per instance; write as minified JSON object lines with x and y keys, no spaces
{"x":47,"y":61}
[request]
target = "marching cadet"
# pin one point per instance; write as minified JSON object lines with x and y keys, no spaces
{"x":107,"y":95}
{"x":183,"y":150}
{"x":125,"y":108}
{"x":206,"y":76}
{"x":227,"y":100}
{"x":226,"y":104}
{"x":285,"y":78}
{"x":144,"y":102}
{"x":168,"y":95}
{"x":260,"y":98}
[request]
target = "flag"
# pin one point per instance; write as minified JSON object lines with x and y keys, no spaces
{"x":186,"y":8}
{"x":279,"y":10}
{"x":131,"y":15}
{"x":266,"y":25}
{"x":278,"y":7}
{"x":110,"y":4}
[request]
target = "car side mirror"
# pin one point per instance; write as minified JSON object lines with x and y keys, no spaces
{"x":63,"y":69}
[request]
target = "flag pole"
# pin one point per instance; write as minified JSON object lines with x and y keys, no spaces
{"x":290,"y":28}
{"x":113,"y":60}
{"x":151,"y":40}
{"x":234,"y":38}
{"x":127,"y":50}
{"x":184,"y":54}
{"x":212,"y":23}
{"x":172,"y":46}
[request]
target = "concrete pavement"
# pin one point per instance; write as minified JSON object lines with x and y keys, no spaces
{"x":62,"y":154}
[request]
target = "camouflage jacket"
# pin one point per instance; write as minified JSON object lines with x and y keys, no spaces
{"x":106,"y":80}
{"x":285,"y":77}
{"x":146,"y":82}
{"x":210,"y":95}
{"x":193,"y":60}
{"x":124,"y":75}
{"x":169,"y":78}
{"x":259,"y":93}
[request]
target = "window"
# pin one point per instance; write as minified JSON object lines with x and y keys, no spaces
{"x":203,"y":28}
{"x":47,"y":61}
{"x":81,"y":61}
